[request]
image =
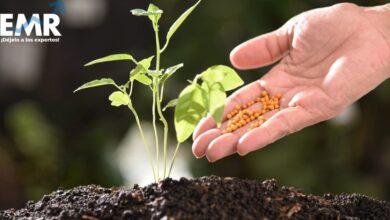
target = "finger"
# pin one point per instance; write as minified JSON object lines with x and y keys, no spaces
{"x":225,"y":145}
{"x":202,"y":142}
{"x":261,"y":51}
{"x":222,"y":146}
{"x":286,"y":121}
{"x":205,"y":138}
{"x":205,"y":124}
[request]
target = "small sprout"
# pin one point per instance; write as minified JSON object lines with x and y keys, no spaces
{"x":195,"y":101}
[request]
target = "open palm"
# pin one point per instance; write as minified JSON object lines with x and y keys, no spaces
{"x":329,"y":58}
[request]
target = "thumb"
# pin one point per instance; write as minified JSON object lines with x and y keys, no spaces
{"x":262,"y":50}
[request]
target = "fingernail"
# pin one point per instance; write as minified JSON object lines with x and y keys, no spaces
{"x":198,"y":157}
{"x":233,"y":52}
{"x":240,"y":150}
{"x":210,"y":160}
{"x":242,"y":153}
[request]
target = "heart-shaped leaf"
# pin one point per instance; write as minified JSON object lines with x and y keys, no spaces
{"x":189,"y":110}
{"x":119,"y":98}
{"x":217,"y":98}
{"x":225,"y":75}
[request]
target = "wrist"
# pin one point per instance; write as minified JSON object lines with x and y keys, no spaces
{"x":380,"y":19}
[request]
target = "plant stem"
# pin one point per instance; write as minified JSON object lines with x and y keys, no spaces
{"x":195,"y":81}
{"x":143,"y":139}
{"x":158,"y":54}
{"x":162,"y":92}
{"x":131,"y":88}
{"x":174,"y":158}
{"x":156,"y":134}
{"x":164,"y":121}
{"x":155,"y":94}
{"x":158,"y":99}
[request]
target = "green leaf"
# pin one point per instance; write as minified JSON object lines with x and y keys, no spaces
{"x":154,"y":73}
{"x":189,"y":110}
{"x":171,"y":104}
{"x":96,"y":83}
{"x":144,"y":79}
{"x":114,"y":57}
{"x":174,"y":68}
{"x":217,"y":98}
{"x":224,"y":75}
{"x":141,"y":68}
{"x":145,"y":63}
{"x":155,"y":16}
{"x":142,"y":12}
{"x":119,"y":98}
{"x":205,"y":94}
{"x":136,"y":71}
{"x":170,"y":71}
{"x":178,"y":22}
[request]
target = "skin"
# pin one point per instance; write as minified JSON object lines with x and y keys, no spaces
{"x":328,"y":59}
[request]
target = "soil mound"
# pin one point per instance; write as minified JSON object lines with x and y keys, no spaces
{"x":203,"y":198}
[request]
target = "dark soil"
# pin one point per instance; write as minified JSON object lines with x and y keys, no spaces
{"x":203,"y":198}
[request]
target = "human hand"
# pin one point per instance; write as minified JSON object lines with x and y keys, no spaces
{"x":329,"y":58}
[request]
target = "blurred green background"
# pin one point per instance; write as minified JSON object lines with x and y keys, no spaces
{"x":51,"y":138}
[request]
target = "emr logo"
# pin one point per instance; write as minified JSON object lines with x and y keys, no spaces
{"x":45,"y":25}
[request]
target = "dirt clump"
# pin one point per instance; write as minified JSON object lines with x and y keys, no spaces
{"x":203,"y":198}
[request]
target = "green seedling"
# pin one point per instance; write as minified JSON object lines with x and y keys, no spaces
{"x":195,"y":101}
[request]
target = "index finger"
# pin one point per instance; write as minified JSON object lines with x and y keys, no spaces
{"x":262,"y":50}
